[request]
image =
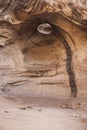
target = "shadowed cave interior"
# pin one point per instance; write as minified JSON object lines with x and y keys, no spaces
{"x":38,"y":59}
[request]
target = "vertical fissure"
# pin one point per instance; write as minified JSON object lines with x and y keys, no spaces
{"x":70,"y":69}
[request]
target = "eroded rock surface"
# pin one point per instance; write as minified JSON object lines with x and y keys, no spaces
{"x":43,"y":62}
{"x":37,"y":64}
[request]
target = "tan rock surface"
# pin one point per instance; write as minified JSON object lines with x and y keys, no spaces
{"x":40,"y":71}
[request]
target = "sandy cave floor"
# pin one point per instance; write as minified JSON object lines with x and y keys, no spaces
{"x":43,"y":114}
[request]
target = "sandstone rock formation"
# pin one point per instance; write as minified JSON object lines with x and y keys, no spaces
{"x":43,"y":47}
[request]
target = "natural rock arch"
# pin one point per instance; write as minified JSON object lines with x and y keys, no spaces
{"x":35,"y":63}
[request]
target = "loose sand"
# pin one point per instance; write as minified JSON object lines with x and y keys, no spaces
{"x":43,"y":114}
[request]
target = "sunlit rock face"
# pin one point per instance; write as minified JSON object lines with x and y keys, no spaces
{"x":43,"y":48}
